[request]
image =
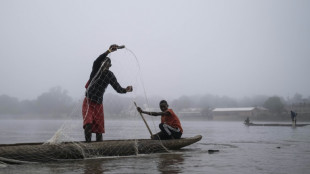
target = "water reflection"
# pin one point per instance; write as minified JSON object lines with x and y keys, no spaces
{"x":170,"y":163}
{"x":93,"y":166}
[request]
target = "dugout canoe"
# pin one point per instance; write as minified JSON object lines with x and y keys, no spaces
{"x":276,"y":124}
{"x":43,"y":152}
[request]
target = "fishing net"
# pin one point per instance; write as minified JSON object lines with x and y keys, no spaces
{"x":124,"y":131}
{"x":37,"y":152}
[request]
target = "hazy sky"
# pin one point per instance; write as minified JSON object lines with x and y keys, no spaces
{"x":235,"y":48}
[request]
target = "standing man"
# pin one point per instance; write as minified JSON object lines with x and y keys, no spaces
{"x":92,"y":109}
{"x":294,"y":117}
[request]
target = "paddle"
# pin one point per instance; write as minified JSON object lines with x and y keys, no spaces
{"x":144,"y":120}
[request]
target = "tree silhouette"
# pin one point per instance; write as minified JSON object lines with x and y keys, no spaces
{"x":274,"y":104}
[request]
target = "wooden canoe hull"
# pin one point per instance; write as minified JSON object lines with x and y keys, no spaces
{"x":40,"y":152}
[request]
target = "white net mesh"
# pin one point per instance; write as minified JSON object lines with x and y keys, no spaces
{"x":68,"y":140}
{"x":124,"y":132}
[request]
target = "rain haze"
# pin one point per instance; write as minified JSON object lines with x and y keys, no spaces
{"x":231,"y":48}
{"x":235,"y":73}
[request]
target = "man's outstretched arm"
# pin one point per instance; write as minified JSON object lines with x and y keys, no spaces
{"x":153,"y":113}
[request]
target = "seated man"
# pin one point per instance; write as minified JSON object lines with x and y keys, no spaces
{"x":170,"y":125}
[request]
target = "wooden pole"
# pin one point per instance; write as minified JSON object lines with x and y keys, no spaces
{"x":144,"y":121}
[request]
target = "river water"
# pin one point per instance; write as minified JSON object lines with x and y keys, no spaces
{"x":242,"y":149}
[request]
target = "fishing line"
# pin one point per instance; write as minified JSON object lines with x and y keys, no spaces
{"x":141,"y":80}
{"x":63,"y":132}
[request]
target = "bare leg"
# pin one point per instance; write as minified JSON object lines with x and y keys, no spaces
{"x":98,"y":136}
{"x":87,"y":132}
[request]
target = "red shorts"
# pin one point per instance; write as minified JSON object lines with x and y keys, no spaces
{"x":93,"y":114}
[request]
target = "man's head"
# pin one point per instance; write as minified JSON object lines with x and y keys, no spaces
{"x":106,"y":63}
{"x":163,"y":105}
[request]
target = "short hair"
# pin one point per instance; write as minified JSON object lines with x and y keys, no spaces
{"x":163,"y":101}
{"x":105,"y":63}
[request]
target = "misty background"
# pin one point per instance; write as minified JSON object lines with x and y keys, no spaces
{"x":203,"y":53}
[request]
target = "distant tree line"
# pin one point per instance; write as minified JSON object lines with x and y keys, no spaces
{"x":56,"y":103}
{"x":275,"y":104}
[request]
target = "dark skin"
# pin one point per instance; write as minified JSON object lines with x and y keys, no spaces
{"x":113,"y":48}
{"x":163,"y":108}
{"x":109,"y":64}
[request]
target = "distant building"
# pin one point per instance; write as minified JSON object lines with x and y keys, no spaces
{"x":237,"y":114}
{"x":190,"y":113}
